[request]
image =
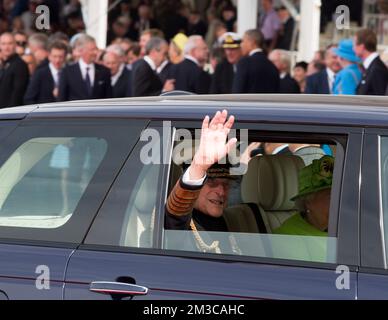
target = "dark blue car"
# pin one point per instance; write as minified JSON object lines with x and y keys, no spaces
{"x":83,"y":188}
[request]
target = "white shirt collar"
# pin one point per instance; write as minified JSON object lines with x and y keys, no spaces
{"x":283,"y":75}
{"x":116,"y":77}
{"x":367,"y":62}
{"x":191,"y":58}
{"x":330,"y":73}
{"x":162,"y":66}
{"x":254,"y":51}
{"x":83,"y":65}
{"x":150,"y":62}
{"x":54,"y":72}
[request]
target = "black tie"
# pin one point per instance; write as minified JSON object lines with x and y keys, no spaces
{"x":88,"y":82}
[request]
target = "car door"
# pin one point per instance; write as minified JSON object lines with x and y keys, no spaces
{"x":54,"y":174}
{"x":127,"y":254}
{"x":373,"y":281}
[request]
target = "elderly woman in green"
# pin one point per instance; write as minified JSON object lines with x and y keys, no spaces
{"x":313,"y":202}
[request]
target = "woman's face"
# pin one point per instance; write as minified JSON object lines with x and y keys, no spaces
{"x":318,"y":207}
{"x":299,"y":74}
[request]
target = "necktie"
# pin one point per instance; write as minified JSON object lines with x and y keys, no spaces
{"x":88,"y":82}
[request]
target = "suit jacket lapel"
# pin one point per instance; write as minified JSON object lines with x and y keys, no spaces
{"x":325,"y":82}
{"x":97,"y":74}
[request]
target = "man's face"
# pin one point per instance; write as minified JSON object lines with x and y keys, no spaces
{"x":89,"y":52}
{"x":246,"y":45}
{"x":57,"y":57}
{"x":275,"y":59}
{"x":143,"y":42}
{"x":201,"y":52}
{"x":267,"y":5}
{"x":7,"y":46}
{"x":161,"y":55}
{"x":21,"y":43}
{"x":213,"y":198}
{"x":331,"y":61}
{"x":358,"y":48}
{"x":233,"y":55}
{"x":112,"y":62}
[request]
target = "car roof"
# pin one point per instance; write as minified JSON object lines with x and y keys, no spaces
{"x":301,"y":108}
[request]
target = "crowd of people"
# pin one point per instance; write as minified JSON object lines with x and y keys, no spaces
{"x":181,"y":50}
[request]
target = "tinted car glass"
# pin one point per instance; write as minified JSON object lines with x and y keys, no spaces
{"x":55,"y":174}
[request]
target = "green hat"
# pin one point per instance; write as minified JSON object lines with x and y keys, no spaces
{"x":315,"y":177}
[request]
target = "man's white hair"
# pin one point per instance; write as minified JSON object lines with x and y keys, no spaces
{"x":284,"y":57}
{"x":83,"y":40}
{"x":116,"y":49}
{"x":191,"y":43}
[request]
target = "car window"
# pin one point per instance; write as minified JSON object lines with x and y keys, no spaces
{"x":54,"y":175}
{"x":129,"y":214}
{"x":50,"y":174}
{"x":384,"y":186}
{"x":262,"y":199}
{"x":259,"y":203}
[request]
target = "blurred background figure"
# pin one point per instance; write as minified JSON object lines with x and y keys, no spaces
{"x":145,"y":81}
{"x":31,"y":63}
{"x":255,"y":72}
{"x":375,"y":76}
{"x":300,"y":73}
{"x":85,"y":79}
{"x":189,"y":74}
{"x":113,"y":59}
{"x":21,"y":42}
{"x":322,"y":82}
{"x":348,"y":79}
{"x":281,"y":59}
{"x":286,"y":29}
{"x":196,"y":25}
{"x":222,"y":80}
{"x":269,"y":24}
{"x":133,"y":54}
{"x":44,"y":84}
{"x":37,"y":46}
{"x":177,"y":45}
{"x":14,"y":73}
{"x":145,"y":36}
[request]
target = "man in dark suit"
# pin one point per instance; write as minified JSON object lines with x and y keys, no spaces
{"x":222,"y":80}
{"x":286,"y":30}
{"x":189,"y":74}
{"x":85,"y":79}
{"x":145,"y":81}
{"x":322,"y":81}
{"x":43,"y":86}
{"x":120,"y":75}
{"x":282,"y":61}
{"x":255,"y":73}
{"x":14,"y":73}
{"x":375,"y":76}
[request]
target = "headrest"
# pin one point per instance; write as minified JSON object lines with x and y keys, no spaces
{"x":271,"y":181}
{"x":145,"y":199}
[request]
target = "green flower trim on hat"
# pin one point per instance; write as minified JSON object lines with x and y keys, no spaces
{"x":315,"y":177}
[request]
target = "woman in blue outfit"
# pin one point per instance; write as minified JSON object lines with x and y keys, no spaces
{"x":349,"y":77}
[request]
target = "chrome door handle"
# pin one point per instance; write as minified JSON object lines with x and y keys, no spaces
{"x":120,"y":288}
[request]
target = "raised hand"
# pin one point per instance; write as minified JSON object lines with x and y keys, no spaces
{"x":213,"y":145}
